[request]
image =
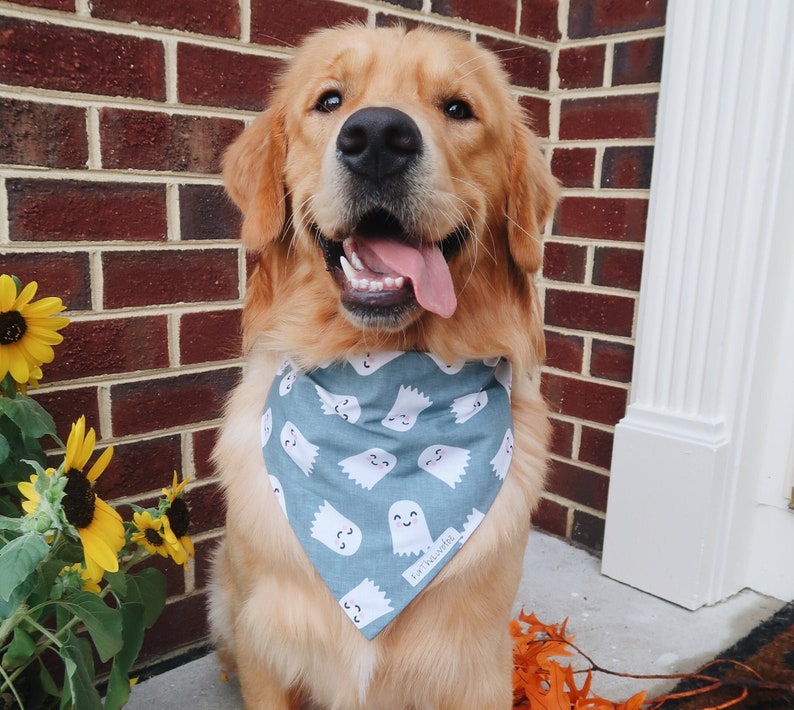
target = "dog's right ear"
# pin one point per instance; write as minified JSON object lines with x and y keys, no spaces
{"x":253,"y":170}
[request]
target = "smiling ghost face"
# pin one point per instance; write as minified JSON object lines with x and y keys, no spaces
{"x":409,"y":532}
{"x":335,"y":531}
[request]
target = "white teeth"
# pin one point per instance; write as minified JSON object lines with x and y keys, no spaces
{"x":357,"y":262}
{"x":389,"y":281}
{"x":350,"y":272}
{"x":399,"y":282}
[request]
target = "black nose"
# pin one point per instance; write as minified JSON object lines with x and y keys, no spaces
{"x":379,"y":142}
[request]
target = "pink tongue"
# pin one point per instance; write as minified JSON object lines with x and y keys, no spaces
{"x":424,"y":265}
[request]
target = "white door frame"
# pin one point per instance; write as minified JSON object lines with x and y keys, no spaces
{"x":713,"y":367}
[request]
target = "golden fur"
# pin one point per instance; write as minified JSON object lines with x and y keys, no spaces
{"x":273,"y":620}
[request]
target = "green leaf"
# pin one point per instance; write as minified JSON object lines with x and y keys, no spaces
{"x":119,"y":683}
{"x":21,"y":648}
{"x":102,"y":622}
{"x":18,"y":559}
{"x":117,"y":581}
{"x":5,"y":448}
{"x":48,"y":685}
{"x":76,"y":655}
{"x":147,"y":587}
{"x":28,"y":415}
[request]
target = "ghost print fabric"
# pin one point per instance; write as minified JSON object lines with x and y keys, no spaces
{"x":384,"y":465}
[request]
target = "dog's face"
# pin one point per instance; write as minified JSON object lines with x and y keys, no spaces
{"x":391,"y":183}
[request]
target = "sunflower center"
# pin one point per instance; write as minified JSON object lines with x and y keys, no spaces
{"x":153,"y":537}
{"x":179,"y":517}
{"x":12,"y":327}
{"x":78,"y":500}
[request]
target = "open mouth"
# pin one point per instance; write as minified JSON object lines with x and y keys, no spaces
{"x":385,"y":272}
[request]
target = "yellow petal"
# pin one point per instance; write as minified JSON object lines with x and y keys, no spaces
{"x":25,"y":296}
{"x":100,"y":465}
{"x":97,"y":549}
{"x":45,"y":307}
{"x":8,"y":293}
{"x":18,"y":365}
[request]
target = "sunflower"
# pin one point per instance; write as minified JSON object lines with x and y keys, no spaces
{"x":27,"y":330}
{"x":154,"y":534}
{"x":99,"y":526}
{"x":178,"y":515}
{"x":78,"y":577}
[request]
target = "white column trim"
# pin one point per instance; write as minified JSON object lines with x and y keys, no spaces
{"x":680,"y":506}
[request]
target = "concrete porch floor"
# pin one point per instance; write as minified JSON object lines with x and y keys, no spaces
{"x":619,"y":627}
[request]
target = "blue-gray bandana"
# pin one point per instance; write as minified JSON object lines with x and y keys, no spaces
{"x":384,"y":466}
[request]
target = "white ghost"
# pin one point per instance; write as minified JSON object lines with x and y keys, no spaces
{"x":446,"y":463}
{"x":279,"y":491}
{"x":285,"y":386}
{"x":501,"y":462}
{"x":368,"y":467}
{"x":298,"y":448}
{"x":266,"y":426}
{"x":473,"y":519}
{"x":448,"y":368}
{"x":465,"y":407}
{"x":409,"y":532}
{"x":365,"y":603}
{"x":335,"y":531}
{"x":367,"y":363}
{"x":409,"y":404}
{"x":504,"y":375}
{"x":345,"y":406}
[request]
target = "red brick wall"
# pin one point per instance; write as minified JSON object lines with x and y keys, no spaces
{"x":115,"y":114}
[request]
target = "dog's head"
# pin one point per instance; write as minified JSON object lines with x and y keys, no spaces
{"x":392,"y":190}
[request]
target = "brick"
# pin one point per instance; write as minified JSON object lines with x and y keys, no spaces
{"x":99,"y":347}
{"x":210,"y":336}
{"x":612,"y":361}
{"x":578,"y":484}
{"x":526,"y":66}
{"x":564,"y":262}
{"x":45,"y":135}
{"x":537,"y":111}
{"x":203,"y":445}
{"x":584,"y":399}
{"x":564,"y":352}
{"x":151,"y":140}
{"x":539,"y":19}
{"x":65,"y":5}
{"x":152,"y":404}
{"x":220,"y":18}
{"x":627,"y":167}
{"x":615,"y":218}
{"x":62,"y":274}
{"x":592,"y":18}
{"x":206,"y":212}
{"x":66,"y":406}
{"x":638,"y":62}
{"x":629,"y":116}
{"x":495,"y":13}
{"x":141,"y":466}
{"x":68,"y":210}
{"x":384,"y":20}
{"x":588,"y":530}
{"x":247,"y":79}
{"x":205,"y":550}
{"x":620,"y":268}
{"x":410,"y":4}
{"x":561,"y":437}
{"x":173,"y":276}
{"x":47,"y":56}
{"x":551,"y":517}
{"x":270,"y":24}
{"x":581,"y":67}
{"x":595,"y":312}
{"x":574,"y":167}
{"x":207,"y":507}
{"x":595,"y":447}
{"x":183,"y":622}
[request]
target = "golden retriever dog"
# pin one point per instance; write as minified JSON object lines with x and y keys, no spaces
{"x":394,"y":198}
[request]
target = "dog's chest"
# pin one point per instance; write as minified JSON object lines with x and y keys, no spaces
{"x":384,"y":466}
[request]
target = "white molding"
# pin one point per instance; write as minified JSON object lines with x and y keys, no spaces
{"x":681,"y":508}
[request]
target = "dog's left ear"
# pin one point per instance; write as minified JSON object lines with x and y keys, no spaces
{"x":532,"y":196}
{"x":253,"y":170}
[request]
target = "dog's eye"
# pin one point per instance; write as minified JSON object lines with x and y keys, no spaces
{"x":458,"y":110}
{"x":329,"y":101}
